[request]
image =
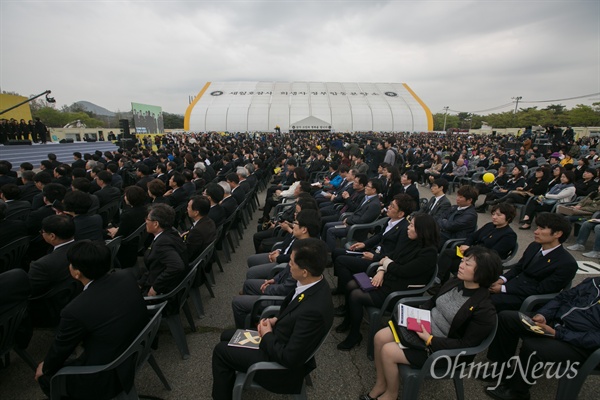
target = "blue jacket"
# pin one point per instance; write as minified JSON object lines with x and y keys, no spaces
{"x":575,"y":314}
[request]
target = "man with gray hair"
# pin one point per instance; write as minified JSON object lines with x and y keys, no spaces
{"x":229,"y":203}
{"x":242,"y":173}
{"x":166,"y":260}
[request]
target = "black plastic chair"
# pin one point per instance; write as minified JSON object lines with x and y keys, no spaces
{"x":412,"y":378}
{"x":202,"y":278}
{"x":11,"y":255}
{"x":177,"y":301}
{"x":132,"y":246}
{"x":140,"y":350}
{"x":9,"y":323}
{"x":19,"y":215}
{"x":45,"y":309}
{"x":374,"y":227}
{"x":569,"y":388}
{"x":245,"y":380}
{"x":376,"y":314}
{"x":258,"y":308}
{"x":108,"y":212}
{"x":114,"y":245}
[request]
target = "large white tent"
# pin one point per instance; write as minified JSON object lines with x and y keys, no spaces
{"x":331,"y":106}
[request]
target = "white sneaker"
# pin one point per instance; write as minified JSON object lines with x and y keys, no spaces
{"x":576,"y":247}
{"x":592,"y":254}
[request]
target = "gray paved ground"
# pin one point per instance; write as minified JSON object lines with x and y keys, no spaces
{"x":339,"y":375}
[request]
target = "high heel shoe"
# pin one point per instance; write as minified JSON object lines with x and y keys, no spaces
{"x":367,"y":397}
{"x":349,"y":343}
{"x":525,"y":226}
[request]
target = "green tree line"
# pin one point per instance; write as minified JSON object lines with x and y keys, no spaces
{"x":554,"y":114}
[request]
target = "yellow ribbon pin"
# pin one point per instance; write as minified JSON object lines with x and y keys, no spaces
{"x":300,"y":297}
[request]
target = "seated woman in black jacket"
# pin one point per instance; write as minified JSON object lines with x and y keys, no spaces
{"x":516,"y":181}
{"x":496,"y":235}
{"x":450,"y":329}
{"x":536,"y":186}
{"x":412,"y":264}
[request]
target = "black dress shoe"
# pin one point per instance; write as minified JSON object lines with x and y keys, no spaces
{"x":481,"y":210}
{"x":340,"y":311}
{"x":503,"y":392}
{"x":349,"y":343}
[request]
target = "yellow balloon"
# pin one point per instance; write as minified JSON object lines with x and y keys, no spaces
{"x":488,"y":177}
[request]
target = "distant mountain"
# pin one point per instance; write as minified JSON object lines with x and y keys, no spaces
{"x":95,"y":109}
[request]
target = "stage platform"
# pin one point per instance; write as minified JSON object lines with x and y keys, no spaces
{"x":35,"y":153}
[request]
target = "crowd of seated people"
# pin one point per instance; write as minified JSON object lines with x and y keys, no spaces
{"x":184,"y":191}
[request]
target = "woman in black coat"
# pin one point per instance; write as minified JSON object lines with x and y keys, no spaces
{"x":496,"y":235}
{"x":412,"y":264}
{"x":468,"y":327}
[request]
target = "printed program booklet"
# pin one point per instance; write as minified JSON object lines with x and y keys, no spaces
{"x":245,"y":338}
{"x":412,"y":318}
{"x":530,"y":325}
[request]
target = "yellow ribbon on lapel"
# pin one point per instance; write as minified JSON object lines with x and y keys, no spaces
{"x":300,"y":298}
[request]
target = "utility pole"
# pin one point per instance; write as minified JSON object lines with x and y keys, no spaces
{"x":516,"y":106}
{"x":445,"y":115}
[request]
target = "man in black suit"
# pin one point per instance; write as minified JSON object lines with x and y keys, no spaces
{"x":229,"y":203}
{"x":77,"y":161}
{"x":53,"y":192}
{"x":439,"y":206}
{"x":9,"y":193}
{"x":377,"y":246}
{"x":367,"y":212}
{"x":176,"y":194}
{"x":203,"y":230}
{"x":328,"y":208}
{"x":545,"y":267}
{"x":51,"y":270}
{"x":166,"y":261}
{"x":161,"y":172}
{"x":260,"y":279}
{"x":462,"y":218}
{"x":107,"y":193}
{"x":215,"y":194}
{"x":40,"y":179}
{"x":28,"y":189}
{"x":350,"y":200}
{"x":246,"y":180}
{"x":61,"y":175}
{"x":237,"y":192}
{"x":305,"y":318}
{"x":105,"y":318}
{"x":144,"y":176}
{"x":409,"y":186}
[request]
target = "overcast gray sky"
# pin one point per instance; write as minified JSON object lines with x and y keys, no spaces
{"x":468,"y":55}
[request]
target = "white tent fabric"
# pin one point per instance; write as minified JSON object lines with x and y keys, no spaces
{"x":336,"y":106}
